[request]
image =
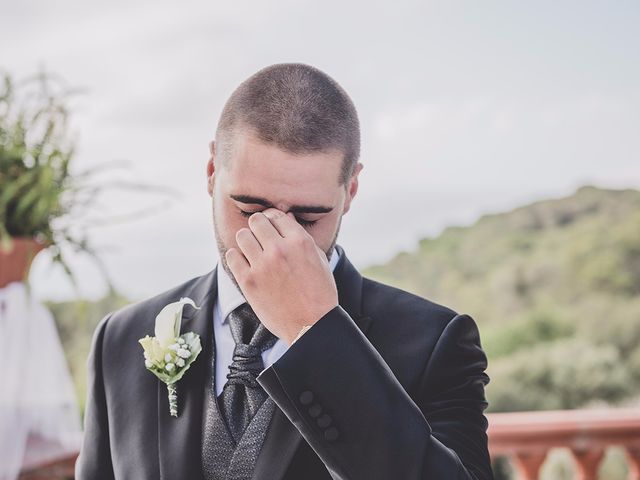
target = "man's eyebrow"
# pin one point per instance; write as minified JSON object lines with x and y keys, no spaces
{"x":294,"y":208}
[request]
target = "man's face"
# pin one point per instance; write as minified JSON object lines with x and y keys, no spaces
{"x":259,"y":175}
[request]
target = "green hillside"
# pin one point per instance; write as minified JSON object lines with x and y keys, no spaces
{"x":76,"y":322}
{"x":555,"y":289}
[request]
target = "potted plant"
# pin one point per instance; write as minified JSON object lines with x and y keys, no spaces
{"x":42,"y":203}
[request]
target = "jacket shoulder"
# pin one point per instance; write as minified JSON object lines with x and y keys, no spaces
{"x":405,"y":328}
{"x":391,"y":304}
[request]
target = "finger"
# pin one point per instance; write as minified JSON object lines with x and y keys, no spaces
{"x":323,"y":255}
{"x":285,"y":223}
{"x":248,"y":245}
{"x":237,"y":263}
{"x":264,"y":230}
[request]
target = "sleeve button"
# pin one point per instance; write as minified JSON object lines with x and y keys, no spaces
{"x":331,"y":434}
{"x":315,"y":410}
{"x":324,"y":421}
{"x":306,"y":397}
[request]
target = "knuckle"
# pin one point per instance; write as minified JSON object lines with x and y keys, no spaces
{"x":249,"y":280}
{"x":275,"y":253}
{"x":301,"y":239}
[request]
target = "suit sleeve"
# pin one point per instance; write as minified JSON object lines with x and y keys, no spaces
{"x":94,"y":461}
{"x":338,"y":391}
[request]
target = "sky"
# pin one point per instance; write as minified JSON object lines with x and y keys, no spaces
{"x":466,"y":108}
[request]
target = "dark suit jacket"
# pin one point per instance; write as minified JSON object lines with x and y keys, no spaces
{"x":386,"y":386}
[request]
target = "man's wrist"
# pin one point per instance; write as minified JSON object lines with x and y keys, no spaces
{"x":308,"y":326}
{"x":302,"y":331}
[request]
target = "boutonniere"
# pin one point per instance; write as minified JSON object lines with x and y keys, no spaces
{"x":169,"y":355}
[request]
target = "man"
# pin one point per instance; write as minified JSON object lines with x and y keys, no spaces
{"x":308,"y":370}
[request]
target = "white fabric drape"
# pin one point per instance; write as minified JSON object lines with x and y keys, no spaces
{"x":39,"y":415}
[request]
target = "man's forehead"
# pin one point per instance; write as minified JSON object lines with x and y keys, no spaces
{"x":286,"y":177}
{"x":247,"y":146}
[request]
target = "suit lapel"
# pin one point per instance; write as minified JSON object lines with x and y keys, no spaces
{"x":283,"y":438}
{"x":179,"y":439}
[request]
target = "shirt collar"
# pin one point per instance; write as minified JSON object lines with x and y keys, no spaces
{"x":230,"y":297}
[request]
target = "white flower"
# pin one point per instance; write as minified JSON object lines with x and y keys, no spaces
{"x":159,"y":356}
{"x":168,"y":321}
{"x":183,"y":353}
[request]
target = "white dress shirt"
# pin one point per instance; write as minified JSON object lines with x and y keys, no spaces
{"x":229,"y":298}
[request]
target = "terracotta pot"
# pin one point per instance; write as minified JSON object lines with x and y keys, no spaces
{"x":15,"y":263}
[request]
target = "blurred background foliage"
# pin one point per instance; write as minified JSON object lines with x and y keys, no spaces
{"x":555,"y":289}
{"x":41,"y":194}
{"x":76,"y":322}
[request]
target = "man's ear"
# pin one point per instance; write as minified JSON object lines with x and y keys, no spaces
{"x":211,"y":167}
{"x":352,"y":187}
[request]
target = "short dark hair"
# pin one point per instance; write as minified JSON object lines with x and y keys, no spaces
{"x":296,"y":107}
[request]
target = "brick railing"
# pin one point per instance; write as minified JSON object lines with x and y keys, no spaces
{"x":527,"y":437}
{"x":524,"y":437}
{"x":60,"y":469}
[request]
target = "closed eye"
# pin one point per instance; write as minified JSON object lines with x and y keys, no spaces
{"x":301,"y":221}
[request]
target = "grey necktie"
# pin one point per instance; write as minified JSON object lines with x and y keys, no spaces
{"x":242,"y":395}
